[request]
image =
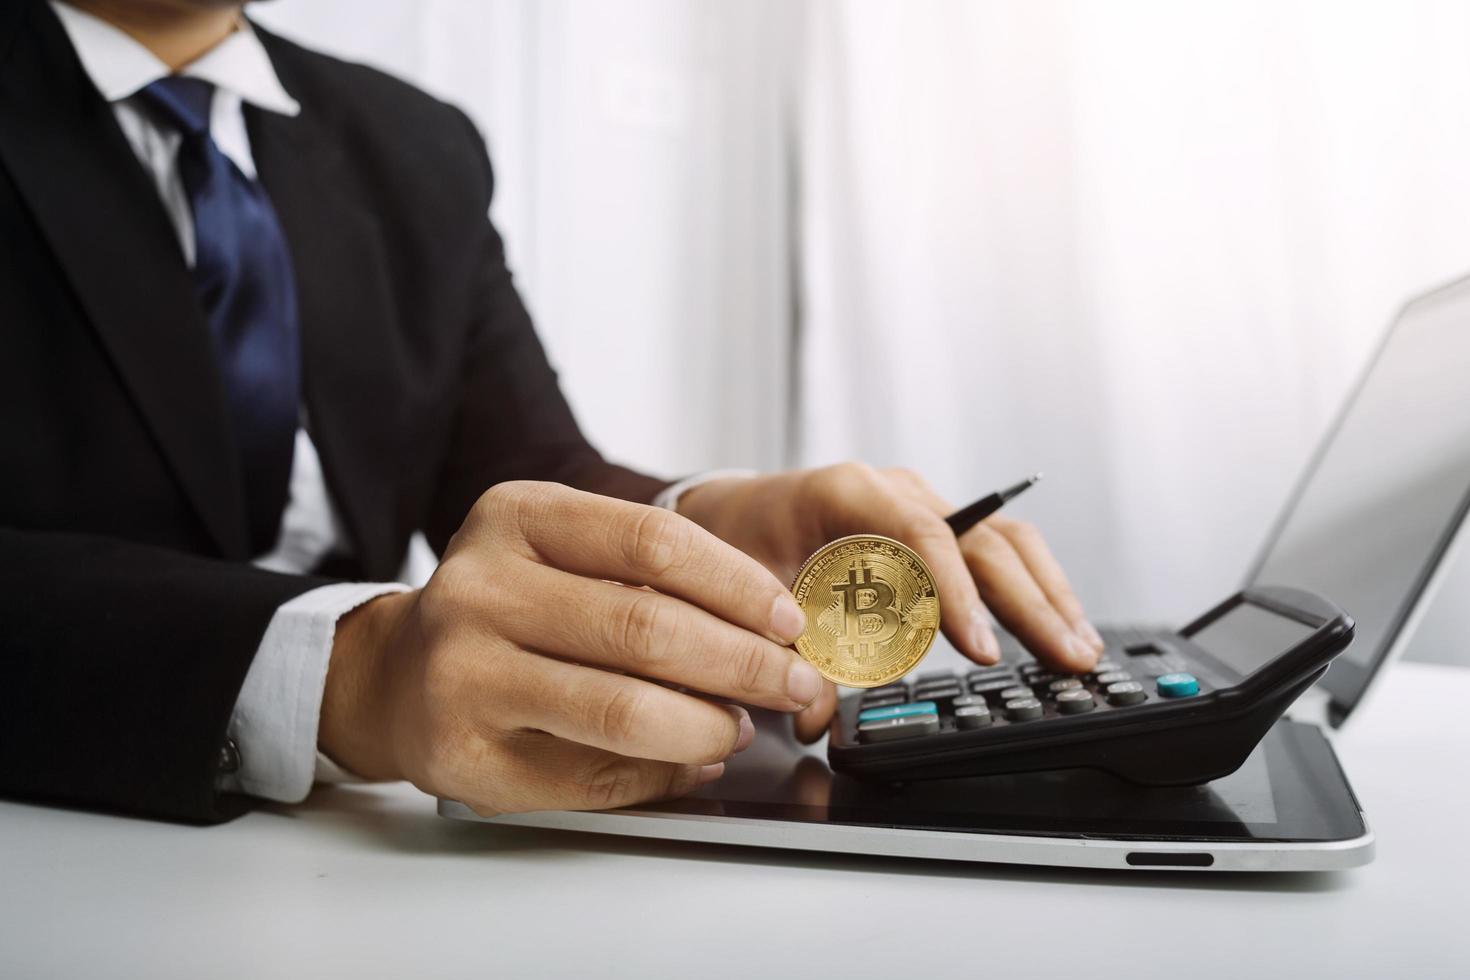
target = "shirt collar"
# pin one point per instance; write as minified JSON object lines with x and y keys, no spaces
{"x":120,"y":66}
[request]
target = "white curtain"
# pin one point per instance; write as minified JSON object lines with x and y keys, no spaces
{"x":641,"y":152}
{"x":1143,"y":246}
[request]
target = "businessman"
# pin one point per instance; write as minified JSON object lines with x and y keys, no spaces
{"x":258,"y":330}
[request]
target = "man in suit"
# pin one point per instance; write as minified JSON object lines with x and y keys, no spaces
{"x":258,"y":330}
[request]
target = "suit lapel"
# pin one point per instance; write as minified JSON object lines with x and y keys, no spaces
{"x":349,"y":346}
{"x":103,"y":219}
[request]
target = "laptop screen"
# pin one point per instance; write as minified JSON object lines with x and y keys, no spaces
{"x":1380,"y":503}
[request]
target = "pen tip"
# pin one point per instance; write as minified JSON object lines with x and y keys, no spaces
{"x":1037,"y":477}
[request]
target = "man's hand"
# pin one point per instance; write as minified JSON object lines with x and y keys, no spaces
{"x":1000,"y":565}
{"x":524,"y":677}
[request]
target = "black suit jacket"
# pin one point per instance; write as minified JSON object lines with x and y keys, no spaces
{"x":128,"y":610}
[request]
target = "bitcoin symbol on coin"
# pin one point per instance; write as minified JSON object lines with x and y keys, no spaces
{"x":872,"y":610}
{"x":862,"y":635}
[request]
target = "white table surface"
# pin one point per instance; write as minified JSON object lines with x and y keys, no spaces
{"x":369,"y":882}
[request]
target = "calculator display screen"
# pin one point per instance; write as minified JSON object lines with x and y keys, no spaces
{"x":1248,"y":637}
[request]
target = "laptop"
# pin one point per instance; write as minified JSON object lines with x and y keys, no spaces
{"x":1371,"y":524}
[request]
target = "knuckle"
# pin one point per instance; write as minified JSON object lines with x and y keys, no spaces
{"x":842,"y":478}
{"x":514,"y":504}
{"x":618,"y":715}
{"x":752,"y":667}
{"x":643,"y":633}
{"x":608,"y":784}
{"x":904,"y":476}
{"x":854,"y":471}
{"x":986,"y":543}
{"x":655,"y":542}
{"x":922,"y":525}
{"x":1023,"y":531}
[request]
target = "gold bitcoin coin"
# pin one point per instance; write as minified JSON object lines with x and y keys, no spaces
{"x":871,"y":610}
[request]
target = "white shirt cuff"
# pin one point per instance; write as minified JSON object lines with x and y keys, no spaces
{"x":668,"y":497}
{"x":274,"y":725}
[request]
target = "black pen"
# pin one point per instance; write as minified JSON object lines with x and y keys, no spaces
{"x":967,"y":517}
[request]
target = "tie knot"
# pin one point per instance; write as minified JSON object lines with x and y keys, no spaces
{"x":185,"y":101}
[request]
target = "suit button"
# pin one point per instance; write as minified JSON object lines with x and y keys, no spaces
{"x":229,"y":757}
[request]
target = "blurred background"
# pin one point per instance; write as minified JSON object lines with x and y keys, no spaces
{"x":1145,"y":247}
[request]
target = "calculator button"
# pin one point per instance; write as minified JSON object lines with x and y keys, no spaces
{"x":930,"y":676}
{"x":1023,"y":709}
{"x":1103,"y":667}
{"x":899,"y":711}
{"x":971,"y":716}
{"x":1114,"y":677}
{"x":992,"y":687}
{"x":944,"y":699}
{"x":989,"y":673}
{"x":878,"y":692}
{"x":1178,"y":685}
{"x":886,"y":701}
{"x":1063,"y":684}
{"x":952,"y":683}
{"x":969,"y":701}
{"x":890,"y":729}
{"x":1012,"y":693}
{"x":1125,"y":692}
{"x":1075,"y":701}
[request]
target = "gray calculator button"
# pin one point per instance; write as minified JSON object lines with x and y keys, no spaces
{"x":970,"y":701}
{"x":1012,"y":693}
{"x":993,"y":687}
{"x":1023,"y":709}
{"x":885,"y":691}
{"x":971,"y":716}
{"x":1103,"y":666}
{"x":1114,"y":677}
{"x":884,"y":701}
{"x":944,"y":698}
{"x":989,"y":673}
{"x":1063,"y":684}
{"x":1126,"y":692}
{"x":930,"y":676}
{"x":891,"y":729}
{"x":1075,"y":701}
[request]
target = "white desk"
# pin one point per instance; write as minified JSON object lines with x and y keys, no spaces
{"x":368,"y":882}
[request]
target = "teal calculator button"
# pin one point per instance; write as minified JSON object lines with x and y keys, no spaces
{"x":1178,"y":685}
{"x":898,"y":711}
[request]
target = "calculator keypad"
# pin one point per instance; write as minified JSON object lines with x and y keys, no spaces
{"x":1020,"y":693}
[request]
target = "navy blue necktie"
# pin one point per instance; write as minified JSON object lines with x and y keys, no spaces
{"x":243,"y":277}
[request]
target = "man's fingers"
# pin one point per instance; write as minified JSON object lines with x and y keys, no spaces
{"x":856,"y":499}
{"x":598,"y":536}
{"x":812,"y":721}
{"x":917,"y":487}
{"x":1020,"y":603}
{"x":537,"y":771}
{"x":620,"y":714}
{"x":658,"y":636}
{"x":1047,"y":572}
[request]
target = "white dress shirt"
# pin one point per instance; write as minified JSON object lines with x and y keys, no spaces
{"x":274,"y":724}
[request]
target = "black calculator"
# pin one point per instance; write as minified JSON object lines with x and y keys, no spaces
{"x":1160,"y":707}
